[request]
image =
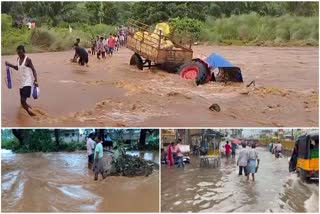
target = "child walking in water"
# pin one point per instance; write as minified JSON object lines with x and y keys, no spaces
{"x":25,"y":70}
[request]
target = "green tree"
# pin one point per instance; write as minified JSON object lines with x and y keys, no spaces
{"x":103,"y":12}
{"x":34,"y":140}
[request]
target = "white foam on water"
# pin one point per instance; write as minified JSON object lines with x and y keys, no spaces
{"x":191,"y":189}
{"x":177,"y":203}
{"x":67,"y":81}
{"x":312,"y":204}
{"x":204,"y":184}
{"x":207,"y":205}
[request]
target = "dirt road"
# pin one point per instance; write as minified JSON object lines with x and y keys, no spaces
{"x":213,"y":190}
{"x":61,"y":182}
{"x":111,"y":93}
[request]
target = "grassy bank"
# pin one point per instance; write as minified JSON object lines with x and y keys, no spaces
{"x":246,"y":29}
{"x":253,"y":29}
{"x":44,"y":39}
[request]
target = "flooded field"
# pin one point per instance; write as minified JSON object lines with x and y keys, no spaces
{"x":61,"y":182}
{"x":211,"y":190}
{"x":111,"y":93}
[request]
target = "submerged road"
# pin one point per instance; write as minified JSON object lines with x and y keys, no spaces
{"x":111,"y":93}
{"x":220,"y":189}
{"x":61,"y":182}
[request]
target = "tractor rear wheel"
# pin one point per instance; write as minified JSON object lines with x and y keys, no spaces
{"x":195,"y":71}
{"x":137,"y":61}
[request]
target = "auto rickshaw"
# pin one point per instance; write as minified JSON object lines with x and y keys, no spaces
{"x":305,"y":157}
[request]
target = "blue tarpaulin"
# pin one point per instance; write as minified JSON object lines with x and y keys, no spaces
{"x":217,"y":61}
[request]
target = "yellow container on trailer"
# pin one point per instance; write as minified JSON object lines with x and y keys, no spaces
{"x":162,"y":27}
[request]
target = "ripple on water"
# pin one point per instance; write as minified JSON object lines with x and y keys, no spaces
{"x":205,"y":184}
{"x":312,"y":204}
{"x":177,"y":203}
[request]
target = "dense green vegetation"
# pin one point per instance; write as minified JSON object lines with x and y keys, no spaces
{"x":52,"y":140}
{"x":254,"y":29}
{"x":262,"y":23}
{"x":37,"y":140}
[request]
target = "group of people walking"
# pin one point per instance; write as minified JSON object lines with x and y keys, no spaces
{"x":95,"y":155}
{"x":103,"y":46}
{"x":248,"y":161}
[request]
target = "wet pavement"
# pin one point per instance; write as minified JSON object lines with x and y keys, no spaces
{"x":195,"y":189}
{"x":61,"y":182}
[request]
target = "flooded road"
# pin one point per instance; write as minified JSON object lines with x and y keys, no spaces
{"x":197,"y":189}
{"x":61,"y":182}
{"x":111,"y":93}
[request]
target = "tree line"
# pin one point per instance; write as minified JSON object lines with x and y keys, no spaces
{"x":48,"y":140}
{"x":117,"y":13}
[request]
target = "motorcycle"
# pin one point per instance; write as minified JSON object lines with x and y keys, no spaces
{"x":186,"y":160}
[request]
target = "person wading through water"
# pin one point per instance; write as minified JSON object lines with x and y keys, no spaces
{"x":100,"y":48}
{"x":82,"y":54}
{"x":170,"y":160}
{"x":93,"y":46}
{"x":77,"y":43}
{"x":233,"y":149}
{"x":253,"y":161}
{"x":228,"y":149}
{"x":90,"y":150}
{"x":98,"y":166}
{"x":242,"y":161}
{"x":26,"y":70}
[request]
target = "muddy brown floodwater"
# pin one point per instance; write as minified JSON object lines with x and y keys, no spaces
{"x":195,"y":189}
{"x":61,"y":182}
{"x":111,"y":93}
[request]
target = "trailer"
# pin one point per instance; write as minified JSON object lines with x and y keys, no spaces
{"x":150,"y":50}
{"x":147,"y":45}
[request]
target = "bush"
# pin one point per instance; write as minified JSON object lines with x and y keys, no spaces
{"x":6,"y":23}
{"x":72,"y":146}
{"x":48,"y":39}
{"x":42,"y":37}
{"x":253,"y":28}
{"x":9,"y":144}
{"x":185,"y":28}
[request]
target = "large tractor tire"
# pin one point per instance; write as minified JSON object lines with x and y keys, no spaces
{"x":195,"y":70}
{"x":137,"y":61}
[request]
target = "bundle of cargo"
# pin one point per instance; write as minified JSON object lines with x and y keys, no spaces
{"x":162,"y":29}
{"x":158,"y":36}
{"x":153,"y":40}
